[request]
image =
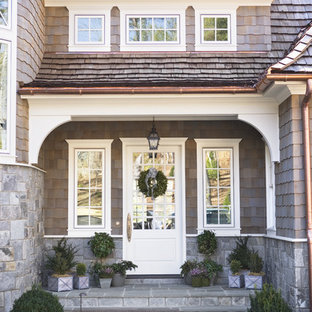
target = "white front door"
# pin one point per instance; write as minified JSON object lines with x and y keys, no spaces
{"x":155,"y":226}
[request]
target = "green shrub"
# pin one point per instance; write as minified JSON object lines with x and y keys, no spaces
{"x":123,"y":266}
{"x":241,"y":253}
{"x":37,"y":300}
{"x":235,"y":267}
{"x":102,"y":245}
{"x":81,"y":269}
{"x":256,"y":262}
{"x":187,"y":266}
{"x":211,"y":267}
{"x":268,"y":300}
{"x":207,"y":243}
{"x":63,"y":259}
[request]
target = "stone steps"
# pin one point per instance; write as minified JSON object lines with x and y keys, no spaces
{"x":157,"y":297}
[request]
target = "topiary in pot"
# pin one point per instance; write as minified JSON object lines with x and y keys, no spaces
{"x":207,"y":243}
{"x":61,"y":264}
{"x":254,"y":279}
{"x":102,"y":245}
{"x":81,"y":281}
{"x":37,"y":300}
{"x":212,"y":268}
{"x":236,"y":279}
{"x":268,"y":300}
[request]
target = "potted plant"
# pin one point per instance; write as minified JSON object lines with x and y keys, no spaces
{"x":254,"y":280}
{"x":241,"y":253}
{"x":186,"y":268}
{"x":60,"y":264}
{"x":104,"y":273}
{"x":81,"y":280}
{"x":120,"y":269}
{"x":207,"y":243}
{"x":212,"y":268}
{"x":197,"y":276}
{"x":102,"y":245}
{"x":236,"y":279}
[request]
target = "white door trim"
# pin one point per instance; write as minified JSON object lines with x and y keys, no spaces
{"x":180,"y":142}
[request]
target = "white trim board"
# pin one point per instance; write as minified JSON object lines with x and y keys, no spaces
{"x":48,"y":112}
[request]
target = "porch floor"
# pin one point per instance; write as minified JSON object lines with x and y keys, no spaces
{"x":157,"y":297}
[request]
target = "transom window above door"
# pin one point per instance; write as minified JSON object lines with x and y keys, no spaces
{"x":153,"y":29}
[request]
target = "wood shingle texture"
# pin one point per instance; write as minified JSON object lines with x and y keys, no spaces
{"x":290,"y":20}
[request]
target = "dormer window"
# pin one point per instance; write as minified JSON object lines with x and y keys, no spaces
{"x":215,"y":30}
{"x":153,"y":29}
{"x":89,"y":29}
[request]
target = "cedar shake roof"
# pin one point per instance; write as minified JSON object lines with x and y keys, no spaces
{"x":291,"y":51}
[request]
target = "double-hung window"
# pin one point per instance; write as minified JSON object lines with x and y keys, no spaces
{"x":89,"y":187}
{"x":218,"y":185}
{"x":89,"y":29}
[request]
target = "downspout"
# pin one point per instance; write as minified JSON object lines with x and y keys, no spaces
{"x":307,"y":171}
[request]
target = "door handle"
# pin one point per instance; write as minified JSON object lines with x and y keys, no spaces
{"x":129,"y":227}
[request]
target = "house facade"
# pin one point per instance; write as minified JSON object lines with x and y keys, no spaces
{"x":228,"y":86}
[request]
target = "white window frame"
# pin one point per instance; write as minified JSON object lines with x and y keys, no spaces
{"x":126,"y":12}
{"x":74,"y":13}
{"x":102,"y":17}
{"x":8,"y":35}
{"x":9,"y":17}
{"x":218,"y":144}
{"x":73,"y":145}
{"x":201,"y":45}
{"x":177,"y":16}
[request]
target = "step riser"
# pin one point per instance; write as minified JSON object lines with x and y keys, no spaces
{"x":150,"y":281}
{"x":155,"y":302}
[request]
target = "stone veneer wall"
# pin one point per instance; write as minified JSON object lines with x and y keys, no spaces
{"x":54,"y":159}
{"x":254,"y":28}
{"x":290,"y":189}
{"x":21,"y":231}
{"x":30,"y":49}
{"x":287,"y":269}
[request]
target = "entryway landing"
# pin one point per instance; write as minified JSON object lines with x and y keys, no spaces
{"x":157,"y":297}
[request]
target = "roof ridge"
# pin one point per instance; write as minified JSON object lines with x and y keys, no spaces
{"x":302,"y":42}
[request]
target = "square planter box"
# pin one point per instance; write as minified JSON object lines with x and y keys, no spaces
{"x":81,"y":282}
{"x":253,"y":281}
{"x":236,"y":281}
{"x":64,"y":283}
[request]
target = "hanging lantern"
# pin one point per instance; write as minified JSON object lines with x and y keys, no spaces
{"x":153,"y":139}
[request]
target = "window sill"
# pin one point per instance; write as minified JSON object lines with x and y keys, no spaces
{"x":86,"y":232}
{"x":222,"y":231}
{"x":89,"y":48}
{"x":216,"y":47}
{"x":152,"y":47}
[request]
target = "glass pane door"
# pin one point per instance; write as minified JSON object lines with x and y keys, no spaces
{"x":158,"y":214}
